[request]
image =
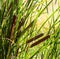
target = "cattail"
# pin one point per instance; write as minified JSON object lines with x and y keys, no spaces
{"x":13,"y":21}
{"x":12,"y":26}
{"x":41,"y":40}
{"x":34,"y":38}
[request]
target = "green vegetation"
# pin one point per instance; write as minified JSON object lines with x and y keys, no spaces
{"x":29,"y":29}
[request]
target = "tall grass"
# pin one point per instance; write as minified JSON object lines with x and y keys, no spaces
{"x":21,"y":37}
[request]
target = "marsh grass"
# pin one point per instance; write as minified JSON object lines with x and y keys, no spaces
{"x":21,"y":37}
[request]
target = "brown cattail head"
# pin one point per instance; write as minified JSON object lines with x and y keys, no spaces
{"x":14,"y":19}
{"x":39,"y":41}
{"x":34,"y":38}
{"x":13,"y":24}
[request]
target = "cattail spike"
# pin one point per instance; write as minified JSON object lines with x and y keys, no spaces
{"x":34,"y":38}
{"x":13,"y":21}
{"x":12,"y":26}
{"x":41,"y":40}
